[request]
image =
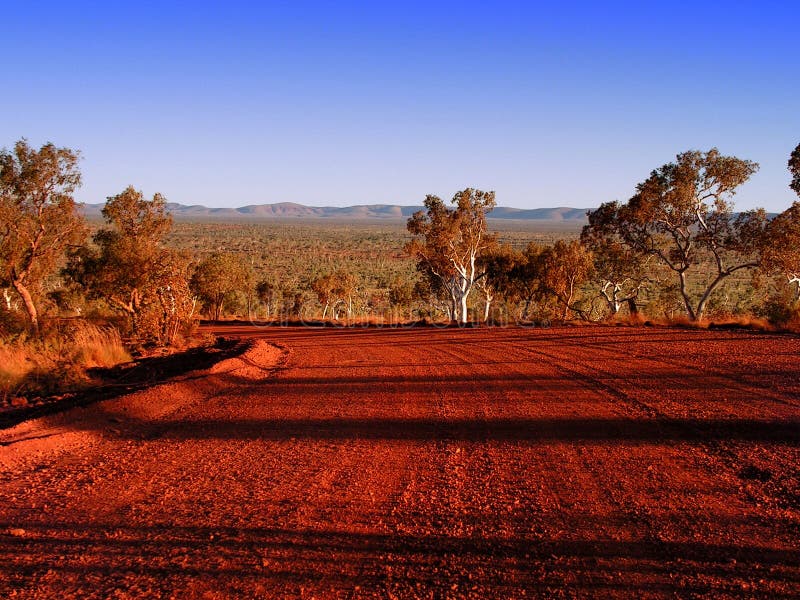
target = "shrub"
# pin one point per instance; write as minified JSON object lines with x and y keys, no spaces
{"x":58,"y":360}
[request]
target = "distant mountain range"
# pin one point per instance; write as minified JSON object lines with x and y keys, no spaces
{"x":290,"y":210}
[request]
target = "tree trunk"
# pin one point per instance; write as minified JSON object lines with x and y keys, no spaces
{"x":486,"y":309}
{"x":567,"y":303}
{"x":611,"y":299}
{"x":134,"y":315}
{"x":632,"y":308}
{"x":796,"y":281}
{"x":687,"y":301}
{"x":27,"y":300}
{"x":701,"y":307}
{"x":526,"y":311}
{"x":464,"y":309}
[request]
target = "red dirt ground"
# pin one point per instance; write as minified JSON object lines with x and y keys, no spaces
{"x":423,"y":463}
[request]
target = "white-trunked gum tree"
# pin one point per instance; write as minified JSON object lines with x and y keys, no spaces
{"x":449,"y":242}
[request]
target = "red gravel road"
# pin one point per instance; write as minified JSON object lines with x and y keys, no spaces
{"x":423,"y":463}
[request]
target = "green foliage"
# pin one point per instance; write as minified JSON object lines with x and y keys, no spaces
{"x":794,"y":169}
{"x":782,"y":308}
{"x":449,"y":243}
{"x":683,"y":216}
{"x":38,"y":217}
{"x":268,"y":293}
{"x":217,"y":280}
{"x":621,"y":269}
{"x":782,"y":254}
{"x":563,"y":269}
{"x":133,"y":272}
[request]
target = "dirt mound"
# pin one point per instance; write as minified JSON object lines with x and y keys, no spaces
{"x":40,"y":439}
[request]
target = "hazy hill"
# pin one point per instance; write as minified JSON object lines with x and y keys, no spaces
{"x":290,"y":210}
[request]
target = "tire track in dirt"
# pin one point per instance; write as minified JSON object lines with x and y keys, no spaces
{"x":553,"y":496}
{"x":589,"y":478}
{"x":723,"y":461}
{"x":754,"y":465}
{"x":635,"y":514}
{"x":737,"y":376}
{"x":408,"y":463}
{"x":651,"y":555}
{"x":741,"y":460}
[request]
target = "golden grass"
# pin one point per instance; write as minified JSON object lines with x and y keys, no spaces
{"x":15,"y":365}
{"x":96,"y":346}
{"x":742,"y":321}
{"x":59,"y":360}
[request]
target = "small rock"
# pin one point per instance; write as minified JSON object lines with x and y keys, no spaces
{"x":16,"y":532}
{"x":19,"y":401}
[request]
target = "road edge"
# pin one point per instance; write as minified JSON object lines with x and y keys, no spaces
{"x":39,"y":440}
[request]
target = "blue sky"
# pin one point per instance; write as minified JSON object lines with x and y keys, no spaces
{"x":338,"y":103}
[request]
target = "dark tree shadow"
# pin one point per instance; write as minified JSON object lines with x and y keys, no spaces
{"x":376,"y":561}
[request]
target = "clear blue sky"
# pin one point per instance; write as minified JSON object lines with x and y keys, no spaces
{"x":338,"y":103}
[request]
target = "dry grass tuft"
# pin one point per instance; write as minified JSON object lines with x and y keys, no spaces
{"x":59,"y":360}
{"x":745,"y":322}
{"x":15,"y":365}
{"x":750,"y":322}
{"x":96,"y":346}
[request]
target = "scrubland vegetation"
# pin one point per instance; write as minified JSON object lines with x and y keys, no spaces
{"x":57,"y":360}
{"x":78,"y":294}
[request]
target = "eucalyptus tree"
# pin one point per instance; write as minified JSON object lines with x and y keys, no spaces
{"x":524,"y":283}
{"x":323,"y":287}
{"x":497,"y":264}
{"x":39,"y":220}
{"x":345,"y":290}
{"x":621,"y":270}
{"x":781,"y":254}
{"x":683,"y":216}
{"x":268,"y":292}
{"x":563,"y":268}
{"x":130,"y":268}
{"x":449,"y":242}
{"x":217,"y":278}
{"x":783,"y":251}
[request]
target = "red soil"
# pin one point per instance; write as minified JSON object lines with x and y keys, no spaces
{"x":599,"y":462}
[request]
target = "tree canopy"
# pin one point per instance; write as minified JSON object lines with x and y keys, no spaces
{"x":131,"y":269}
{"x":564,"y":267}
{"x":38,"y":216}
{"x":782,"y":253}
{"x":683,"y":215}
{"x":448,"y":243}
{"x":794,"y":169}
{"x":217,"y":278}
{"x":621,"y":269}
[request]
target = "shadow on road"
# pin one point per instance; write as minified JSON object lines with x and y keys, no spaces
{"x":168,"y":553}
{"x":528,"y":430}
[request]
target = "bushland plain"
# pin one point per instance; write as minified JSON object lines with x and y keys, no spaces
{"x":292,"y":253}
